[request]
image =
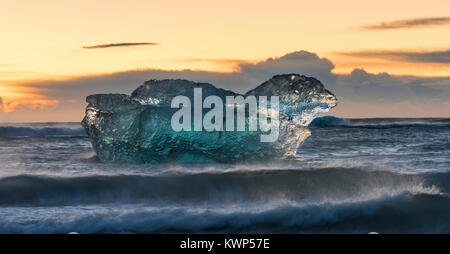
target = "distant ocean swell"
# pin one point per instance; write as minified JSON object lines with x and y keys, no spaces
{"x":320,"y":122}
{"x":17,"y":131}
{"x":378,"y":123}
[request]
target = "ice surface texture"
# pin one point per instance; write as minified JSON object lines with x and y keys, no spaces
{"x":137,"y":128}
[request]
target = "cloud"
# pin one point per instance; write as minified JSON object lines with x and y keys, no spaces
{"x":34,"y":102}
{"x":364,"y":94}
{"x":361,"y":94}
{"x":299,"y":61}
{"x":408,"y":23}
{"x":362,"y":86}
{"x":440,"y":56}
{"x":122,"y":44}
{"x":247,"y":77}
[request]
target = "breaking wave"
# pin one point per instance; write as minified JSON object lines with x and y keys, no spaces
{"x":414,"y":213}
{"x":327,"y":185}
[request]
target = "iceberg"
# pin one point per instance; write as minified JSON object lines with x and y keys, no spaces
{"x":137,"y":128}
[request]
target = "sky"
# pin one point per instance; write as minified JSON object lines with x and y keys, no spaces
{"x":381,"y":58}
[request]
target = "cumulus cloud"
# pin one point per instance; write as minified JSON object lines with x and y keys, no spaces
{"x":295,"y":62}
{"x":439,"y":56}
{"x":362,"y":86}
{"x":409,"y":23}
{"x":121,"y":44}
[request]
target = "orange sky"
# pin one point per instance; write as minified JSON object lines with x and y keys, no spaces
{"x":44,"y":40}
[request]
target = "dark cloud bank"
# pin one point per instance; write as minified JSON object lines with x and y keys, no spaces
{"x":409,"y":23}
{"x":376,"y":91}
{"x":440,"y":56}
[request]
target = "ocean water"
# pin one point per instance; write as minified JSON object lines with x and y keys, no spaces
{"x":349,"y":176}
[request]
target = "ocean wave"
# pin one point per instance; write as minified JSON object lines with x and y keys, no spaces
{"x":403,"y":213}
{"x":329,"y":121}
{"x":327,"y":185}
{"x":19,"y":131}
{"x":378,"y":123}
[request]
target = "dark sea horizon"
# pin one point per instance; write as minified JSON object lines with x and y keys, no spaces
{"x":385,"y":175}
